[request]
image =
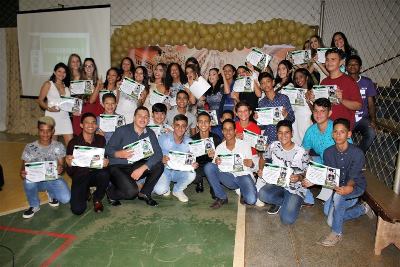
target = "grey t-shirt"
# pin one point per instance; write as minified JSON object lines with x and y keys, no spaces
{"x":191,"y":119}
{"x":35,"y":152}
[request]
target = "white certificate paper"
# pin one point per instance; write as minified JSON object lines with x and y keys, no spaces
{"x":88,"y":157}
{"x":274,"y":174}
{"x":322,"y":175}
{"x":108,"y":122}
{"x":141,"y":149}
{"x":295,"y":95}
{"x":81,"y":87}
{"x":131,"y":88}
{"x":244,"y":85}
{"x":201,"y":147}
{"x":257,"y":141}
{"x":231,"y":163}
{"x":181,"y":161}
{"x":70,"y":104}
{"x":103,"y":92}
{"x":258,"y":59}
{"x":157,"y":97}
{"x":321,"y":54}
{"x":199,"y":87}
{"x":269,"y":116}
{"x":326,"y":91}
{"x":300,"y":56}
{"x":41,"y":171}
{"x":213,"y":115}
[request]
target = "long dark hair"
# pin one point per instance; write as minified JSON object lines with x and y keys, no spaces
{"x":145,"y":77}
{"x":217,"y":88}
{"x":168,"y":77}
{"x":193,"y":60}
{"x":348,"y":49}
{"x":164,"y":66}
{"x":289,"y":67}
{"x":105,"y":84}
{"x":305,"y":72}
{"x":132,"y":69}
{"x":67,"y":78}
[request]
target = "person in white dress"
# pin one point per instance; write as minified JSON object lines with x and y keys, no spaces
{"x":158,"y":92}
{"x":52,"y":90}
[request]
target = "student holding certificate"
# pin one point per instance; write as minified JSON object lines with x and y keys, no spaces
{"x":317,"y":63}
{"x":216,"y":91}
{"x":283,"y":75}
{"x":53,"y":89}
{"x":273,"y":99}
{"x":159,"y":91}
{"x":240,"y":175}
{"x":249,"y":97}
{"x":74,"y":66}
{"x":204,"y":125}
{"x":176,"y":141}
{"x":344,"y":204}
{"x":174,"y":80}
{"x":110,"y":85}
{"x":124,"y":172}
{"x":158,"y":119}
{"x":85,"y":177}
{"x":42,"y":151}
{"x":109,"y":120}
{"x":286,"y":200}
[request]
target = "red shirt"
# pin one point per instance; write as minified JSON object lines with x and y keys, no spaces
{"x":350,"y":92}
{"x":251,"y":127}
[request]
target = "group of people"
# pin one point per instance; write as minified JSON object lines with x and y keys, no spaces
{"x":319,"y":131}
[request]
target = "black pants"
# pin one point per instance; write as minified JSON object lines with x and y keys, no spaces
{"x":124,"y":187}
{"x":1,"y":177}
{"x":80,"y":187}
{"x":199,"y":175}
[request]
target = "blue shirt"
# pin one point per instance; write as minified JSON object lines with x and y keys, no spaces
{"x":278,"y":101}
{"x":167,"y":143}
{"x":350,"y":162}
{"x":319,"y":141}
{"x":126,"y":135}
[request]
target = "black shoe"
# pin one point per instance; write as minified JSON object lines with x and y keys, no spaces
{"x":274,"y":209}
{"x":199,"y":187}
{"x":218,"y":203}
{"x":112,"y":201}
{"x":148,"y":199}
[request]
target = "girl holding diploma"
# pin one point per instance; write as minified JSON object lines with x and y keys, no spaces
{"x":315,"y":43}
{"x":157,"y":86}
{"x":192,"y":75}
{"x":175,"y":80}
{"x":216,"y":91}
{"x":284,"y":75}
{"x":229,"y":76}
{"x":74,"y":65}
{"x":53,"y":89}
{"x":112,"y":79}
{"x":127,"y":67}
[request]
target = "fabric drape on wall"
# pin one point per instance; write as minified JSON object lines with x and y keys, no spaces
{"x":22,"y":113}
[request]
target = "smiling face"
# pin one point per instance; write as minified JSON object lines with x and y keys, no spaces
{"x":60,"y":74}
{"x":46,"y":133}
{"x":267,"y":84}
{"x":301,"y":79}
{"x":182,"y":100}
{"x":204,"y":123}
{"x":126,"y":65}
{"x":180,"y":127}
{"x":175,"y":72}
{"x":159,"y":117}
{"x":88,"y":66}
{"x":243,"y":113}
{"x":282,"y":71}
{"x":89,"y":125}
{"x":75,"y":63}
{"x":139,"y":77}
{"x":228,"y":130}
{"x":109,"y":105}
{"x":314,"y":43}
{"x":141,"y":119}
{"x":228,"y":72}
{"x":321,"y":114}
{"x":285,"y":136}
{"x":242,"y":72}
{"x":213,"y":76}
{"x":190,"y":74}
{"x":339,"y":41}
{"x":332,"y":62}
{"x":353,"y":67}
{"x":340,"y":134}
{"x":158,"y":72}
{"x":112,"y":76}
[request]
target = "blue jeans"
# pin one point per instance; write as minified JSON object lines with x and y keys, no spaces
{"x":245,"y":182}
{"x":342,"y":208}
{"x":368,"y":133}
{"x":290,"y":203}
{"x":57,"y":189}
{"x":181,"y":178}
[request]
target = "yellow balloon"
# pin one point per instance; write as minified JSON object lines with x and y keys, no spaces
{"x":169,"y":32}
{"x":180,"y":30}
{"x":274,"y":23}
{"x":212,"y":29}
{"x":174,"y":24}
{"x":275,"y":40}
{"x":190,"y":44}
{"x":246,"y":42}
{"x":291,"y":27}
{"x":119,"y":49}
{"x":208,"y":39}
{"x":151,"y":31}
{"x":237,"y":35}
{"x":285,"y":22}
{"x":227,"y":35}
{"x":203,"y":31}
{"x":250,"y":34}
{"x":266,"y":26}
{"x":281,"y":30}
{"x":219,"y":36}
{"x":261,"y":35}
{"x":271,"y":33}
{"x":163,"y":40}
{"x":259,"y":43}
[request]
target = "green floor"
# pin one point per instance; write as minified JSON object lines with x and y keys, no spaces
{"x":172,"y":234}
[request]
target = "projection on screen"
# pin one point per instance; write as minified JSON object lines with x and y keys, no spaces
{"x":46,"y":37}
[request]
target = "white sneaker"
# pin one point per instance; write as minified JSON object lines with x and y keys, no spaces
{"x":181,"y":196}
{"x":30,"y":212}
{"x":368,"y":211}
{"x":167,"y":194}
{"x":259,"y":203}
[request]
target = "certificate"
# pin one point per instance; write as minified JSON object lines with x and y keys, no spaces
{"x":88,"y":157}
{"x":180,"y":161}
{"x":157,"y":97}
{"x":299,"y":57}
{"x":321,"y":54}
{"x":131,"y":88}
{"x":269,"y":115}
{"x":201,"y":147}
{"x":41,"y":171}
{"x":82,"y":87}
{"x":141,"y":149}
{"x":213,"y":115}
{"x":103,"y":92}
{"x":70,"y":104}
{"x":231,"y":163}
{"x":108,"y":122}
{"x":257,"y":141}
{"x":326,"y":91}
{"x":258,"y":59}
{"x":199,"y":87}
{"x":160,"y":129}
{"x":322,"y":175}
{"x":295,"y":95}
{"x":274,"y":174}
{"x":244,"y":85}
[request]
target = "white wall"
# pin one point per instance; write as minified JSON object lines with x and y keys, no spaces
{"x":3,"y":80}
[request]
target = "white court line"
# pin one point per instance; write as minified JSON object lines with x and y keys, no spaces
{"x":238,"y":253}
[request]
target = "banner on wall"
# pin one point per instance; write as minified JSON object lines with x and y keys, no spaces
{"x":150,"y":56}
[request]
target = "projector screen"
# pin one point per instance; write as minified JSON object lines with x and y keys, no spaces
{"x":46,"y":37}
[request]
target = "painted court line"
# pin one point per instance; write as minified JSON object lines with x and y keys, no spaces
{"x":240,"y":235}
{"x":69,"y":239}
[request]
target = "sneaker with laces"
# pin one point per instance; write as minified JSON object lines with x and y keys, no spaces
{"x":274,"y":209}
{"x":54,"y":203}
{"x":331,"y":240}
{"x":181,"y":196}
{"x":29,"y":213}
{"x":368,"y":211}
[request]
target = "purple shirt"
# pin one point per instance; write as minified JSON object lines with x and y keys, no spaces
{"x":367,"y":88}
